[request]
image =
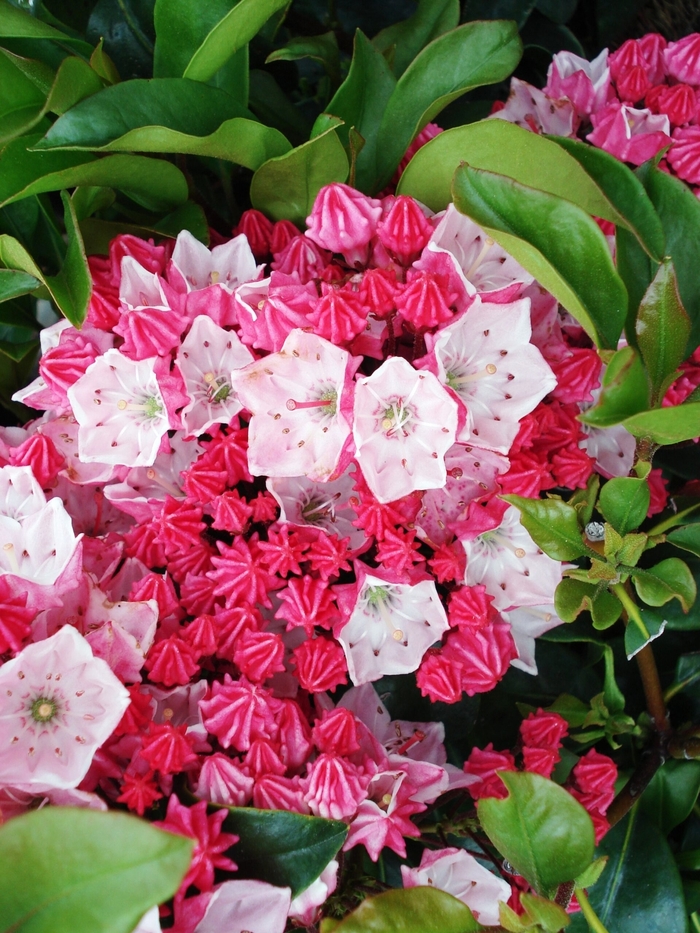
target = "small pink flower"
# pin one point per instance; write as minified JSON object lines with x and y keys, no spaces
{"x":532,"y":109}
{"x":586,"y":84}
{"x":628,"y":134}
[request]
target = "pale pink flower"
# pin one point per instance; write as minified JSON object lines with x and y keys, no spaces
{"x":207,"y":357}
{"x":459,"y":873}
{"x":20,"y":493}
{"x":586,"y":84}
{"x":194,"y":267}
{"x":629,"y":134}
{"x":40,"y":546}
{"x":120,"y":411}
{"x":299,"y":400}
{"x":390,"y":626}
{"x":246,"y":907}
{"x":405,"y":422}
{"x":526,"y":624}
{"x":139,"y":288}
{"x":384,"y":818}
{"x":532,"y":109}
{"x":61,"y":704}
{"x":510,"y":565}
{"x":305,"y":905}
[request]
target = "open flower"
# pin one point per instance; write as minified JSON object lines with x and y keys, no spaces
{"x":60,"y":703}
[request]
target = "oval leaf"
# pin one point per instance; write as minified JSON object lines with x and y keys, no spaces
{"x":575,"y":265}
{"x":542,"y":831}
{"x":687,"y":538}
{"x":662,"y":329}
{"x":624,"y":502}
{"x":467,"y":57}
{"x":286,"y":187}
{"x":284,"y":849}
{"x":666,"y":425}
{"x":411,"y":910}
{"x":552,"y":525}
{"x":69,"y":870}
{"x":671,"y":794}
{"x":667,"y":580}
{"x":624,"y":392}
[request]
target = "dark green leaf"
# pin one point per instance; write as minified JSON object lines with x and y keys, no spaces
{"x":14,"y":283}
{"x":662,"y":329}
{"x":286,"y":187}
{"x":19,"y":24}
{"x":21,"y":101}
{"x":113,"y":870}
{"x":687,"y":538}
{"x":271,"y":105}
{"x":72,"y":287}
{"x":283,"y":848}
{"x":431,"y":19}
{"x":580,"y":632}
{"x":18,"y":351}
{"x":669,"y":579}
{"x":181,"y":27}
{"x":467,"y":57}
{"x":127,"y":29}
{"x":575,"y":265}
{"x":231,"y":33}
{"x":559,"y":11}
{"x":636,"y":269}
{"x":505,"y":148}
{"x":672,"y":793}
{"x":323,"y":49}
{"x":360,"y":102}
{"x":542,"y":831}
{"x":640,"y":890}
{"x":665,"y":425}
{"x":623,"y":189}
{"x":552,"y":525}
{"x":88,"y":200}
{"x":636,"y":639}
{"x":519,"y":10}
{"x":154,"y":183}
{"x":411,"y":910}
{"x":625,"y":391}
{"x":98,"y":234}
{"x":624,"y":502}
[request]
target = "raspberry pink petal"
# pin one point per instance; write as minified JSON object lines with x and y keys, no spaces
{"x":405,"y":422}
{"x":60,"y":704}
{"x":344,"y":221}
{"x":298,"y":399}
{"x":585,"y":83}
{"x":682,"y":59}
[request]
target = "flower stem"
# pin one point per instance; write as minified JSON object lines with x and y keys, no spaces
{"x":630,"y":608}
{"x":594,"y":923}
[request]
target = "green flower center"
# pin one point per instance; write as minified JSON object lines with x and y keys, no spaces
{"x":43,"y":709}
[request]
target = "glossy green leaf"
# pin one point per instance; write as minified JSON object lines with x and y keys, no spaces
{"x":465,"y":58}
{"x":679,"y":211}
{"x":687,"y":537}
{"x":360,"y":102}
{"x":519,"y":10}
{"x":666,"y":425}
{"x":21,"y":100}
{"x":575,"y":265}
{"x":433,"y":18}
{"x":19,"y":24}
{"x":231,"y":33}
{"x":624,"y":502}
{"x":103,"y":65}
{"x":505,"y":148}
{"x":323,"y":49}
{"x":672,"y":793}
{"x":552,"y":525}
{"x":543,"y":832}
{"x":549,"y":916}
{"x":286,"y":187}
{"x":669,"y":579}
{"x":88,"y":200}
{"x":113,"y":869}
{"x":662,"y":329}
{"x":129,"y":37}
{"x":640,"y":890}
{"x":154,"y":183}
{"x":283,"y":848}
{"x":636,"y":270}
{"x":624,"y":391}
{"x":271,"y":105}
{"x":14,"y":283}
{"x":410,"y":910}
{"x":18,"y":351}
{"x":623,"y":190}
{"x":98,"y":234}
{"x":572,"y":597}
{"x":581,"y":632}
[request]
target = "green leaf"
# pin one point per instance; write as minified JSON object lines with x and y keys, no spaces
{"x":505,"y":148}
{"x":360,"y":102}
{"x":624,"y":391}
{"x":14,"y":283}
{"x":640,"y":890}
{"x":231,"y":33}
{"x":102,"y":64}
{"x":283,"y":848}
{"x":679,"y":211}
{"x":410,"y":910}
{"x":127,"y":29}
{"x":624,"y":502}
{"x":465,"y":58}
{"x":543,"y":832}
{"x":669,"y":579}
{"x":623,"y":190}
{"x":433,"y":18}
{"x":672,"y":793}
{"x":90,"y":199}
{"x":323,"y":49}
{"x":577,"y":632}
{"x":21,"y":100}
{"x":636,"y":639}
{"x":18,"y":24}
{"x":286,"y":187}
{"x":592,"y":874}
{"x":632,"y":548}
{"x":552,"y":525}
{"x":153,"y":183}
{"x":550,"y":916}
{"x":687,"y":537}
{"x":575,"y":266}
{"x":18,"y":351}
{"x":98,"y":234}
{"x":636,"y":270}
{"x":665,"y":425}
{"x":519,"y":10}
{"x":662,"y":329}
{"x":113,"y":870}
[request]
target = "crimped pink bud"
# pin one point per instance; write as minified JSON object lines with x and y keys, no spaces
{"x":259,"y":655}
{"x":339,"y":316}
{"x":653,"y":46}
{"x":679,"y":103}
{"x":39,"y":452}
{"x":320,"y":665}
{"x":628,"y":68}
{"x":334,"y":788}
{"x":344,"y":220}
{"x":405,"y":230}
{"x":684,"y":155}
{"x":483,"y":763}
{"x":336,"y":732}
{"x":258,"y":231}
{"x":484,"y":655}
{"x":222,"y":780}
{"x":172,"y":662}
{"x":426,"y":301}
{"x":682,"y":59}
{"x":440,"y":678}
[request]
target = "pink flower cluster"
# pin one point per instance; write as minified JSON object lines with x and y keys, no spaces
{"x":265,"y":471}
{"x":641,"y":99}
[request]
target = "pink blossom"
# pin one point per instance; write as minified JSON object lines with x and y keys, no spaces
{"x":459,"y":873}
{"x":586,"y":84}
{"x":194,"y":267}
{"x":628,"y":134}
{"x":343,"y":221}
{"x":61,"y":704}
{"x":682,"y":59}
{"x":684,"y":154}
{"x":526,"y":624}
{"x":304,"y":907}
{"x":383,"y":819}
{"x":534,"y":110}
{"x":211,"y":841}
{"x":334,"y":787}
{"x":222,"y":780}
{"x":246,"y":907}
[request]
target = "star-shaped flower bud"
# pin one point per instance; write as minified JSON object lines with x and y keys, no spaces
{"x":487,"y":359}
{"x":405,"y":422}
{"x":207,"y":357}
{"x":390,"y":626}
{"x":59,"y":705}
{"x":120,"y":411}
{"x":299,"y":399}
{"x":228,"y":265}
{"x":511,"y":566}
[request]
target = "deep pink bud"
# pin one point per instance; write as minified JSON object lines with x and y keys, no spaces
{"x":682,"y":59}
{"x":543,"y":730}
{"x":222,"y":780}
{"x":426,"y":302}
{"x":258,"y":230}
{"x":283,"y":233}
{"x":678,"y":103}
{"x":336,"y":732}
{"x":540,"y":760}
{"x":483,"y":764}
{"x":263,"y":759}
{"x":167,"y":748}
{"x":405,"y":230}
{"x":684,"y":154}
{"x":440,"y":678}
{"x":484,"y":655}
{"x":320,"y":665}
{"x":339,"y":316}
{"x":259,"y":655}
{"x":39,"y":452}
{"x":334,"y":788}
{"x":344,"y":220}
{"x":171,"y":662}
